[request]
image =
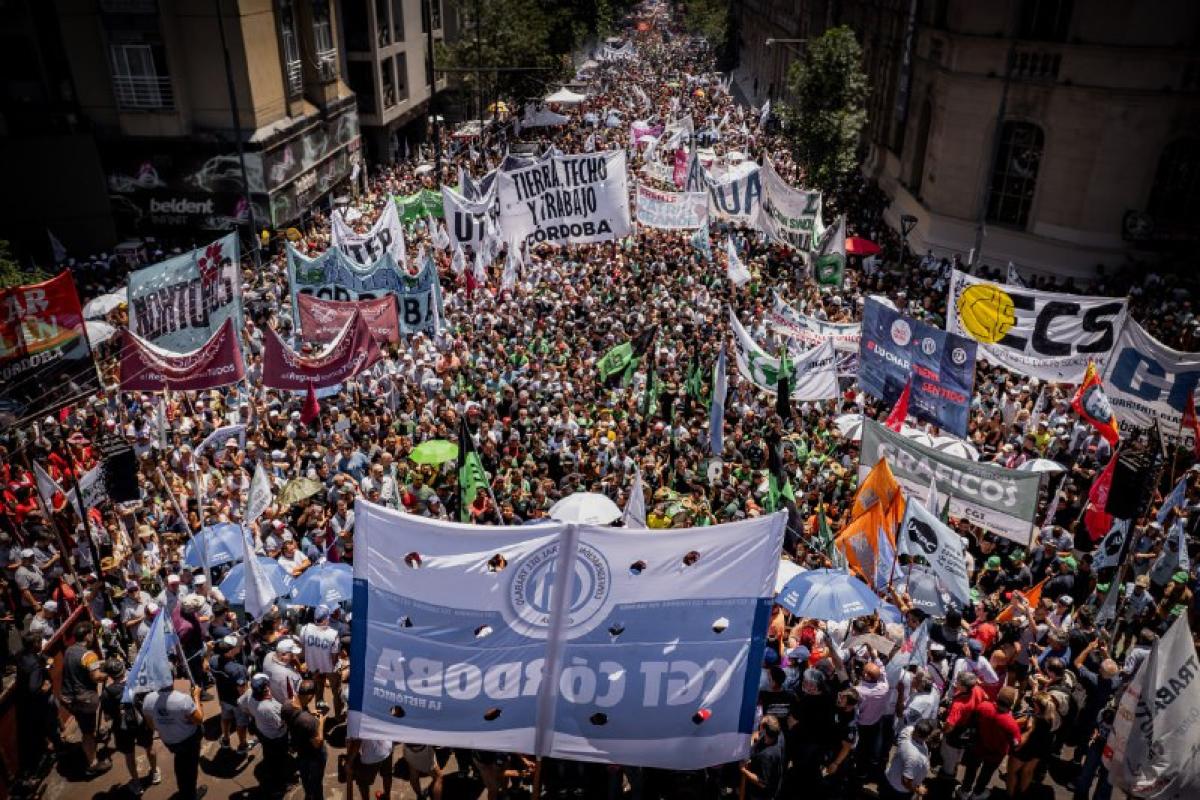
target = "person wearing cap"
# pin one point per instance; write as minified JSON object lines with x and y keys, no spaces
{"x":129,"y":728}
{"x":45,"y":621}
{"x":177,"y":718}
{"x":997,"y":733}
{"x":171,"y":594}
{"x":320,"y":642}
{"x":132,"y":608}
{"x":30,"y":582}
{"x":291,"y":559}
{"x":763,"y":771}
{"x":261,"y":706}
{"x":233,"y":680}
{"x":1177,"y":595}
{"x":1135,"y":613}
{"x":281,"y":667}
{"x":82,"y":676}
{"x":1062,"y":616}
{"x":306,"y":729}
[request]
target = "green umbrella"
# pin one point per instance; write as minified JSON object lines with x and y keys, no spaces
{"x":298,"y":489}
{"x":434,"y":451}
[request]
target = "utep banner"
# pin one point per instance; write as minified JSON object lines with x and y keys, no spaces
{"x":589,"y":643}
{"x":1003,"y":501}
{"x":942,"y":366}
{"x":736,"y":196}
{"x":567,"y":199}
{"x":1145,"y":380}
{"x":180,"y":303}
{"x":672,"y":210}
{"x":322,"y":320}
{"x":789,"y":216}
{"x":386,"y":236}
{"x":468,"y":221}
{"x":146,"y":367}
{"x":1045,"y":335}
{"x":331,"y":276}
{"x":351,"y":352}
{"x":45,"y":358}
{"x":809,"y":332}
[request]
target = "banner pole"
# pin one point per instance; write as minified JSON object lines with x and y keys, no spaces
{"x":109,"y":606}
{"x":182,"y":516}
{"x":537,"y":779}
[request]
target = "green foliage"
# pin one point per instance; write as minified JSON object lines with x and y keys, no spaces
{"x":710,"y":19}
{"x":828,"y":109}
{"x":13,"y":274}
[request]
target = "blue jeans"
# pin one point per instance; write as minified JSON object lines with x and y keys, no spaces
{"x":312,"y":774}
{"x":1093,"y":769}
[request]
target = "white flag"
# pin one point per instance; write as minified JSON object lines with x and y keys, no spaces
{"x":1108,"y":554}
{"x":1152,"y":751}
{"x":260,"y":496}
{"x":933,"y":502}
{"x":635,"y":507}
{"x":765,"y":114}
{"x":923,"y":534}
{"x":260,"y":594}
{"x":437,"y":234}
{"x":458,"y":262}
{"x":60,"y":252}
{"x":1013,"y":278}
{"x":480,"y":272}
{"x":589,"y":146}
{"x":512,"y":267}
{"x":735,"y":270}
{"x":47,"y":486}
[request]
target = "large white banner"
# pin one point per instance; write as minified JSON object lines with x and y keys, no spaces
{"x":385,"y":236}
{"x":673,"y":210}
{"x":1045,"y":335}
{"x":580,"y":642}
{"x":1153,"y":751}
{"x":468,"y":221}
{"x":736,"y":196}
{"x":789,"y":216}
{"x":569,"y":199}
{"x":814,"y":372}
{"x":1146,"y":380}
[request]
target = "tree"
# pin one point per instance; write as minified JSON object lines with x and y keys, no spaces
{"x":710,"y":19}
{"x":12,"y":273}
{"x":828,"y":112}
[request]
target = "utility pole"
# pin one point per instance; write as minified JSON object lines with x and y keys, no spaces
{"x":237,"y":135}
{"x":433,"y":116}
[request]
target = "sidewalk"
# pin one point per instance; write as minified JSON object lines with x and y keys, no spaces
{"x":743,"y":89}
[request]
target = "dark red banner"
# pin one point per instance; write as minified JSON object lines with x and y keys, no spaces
{"x":353,"y":351}
{"x":322,"y":320}
{"x":45,"y":358}
{"x":148,"y":368}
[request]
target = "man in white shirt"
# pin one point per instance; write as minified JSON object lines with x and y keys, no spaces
{"x":280,"y":667}
{"x":320,"y":655}
{"x":291,"y":558}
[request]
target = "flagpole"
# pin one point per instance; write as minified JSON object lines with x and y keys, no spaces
{"x":178,"y":510}
{"x":109,"y":606}
{"x":68,"y":563}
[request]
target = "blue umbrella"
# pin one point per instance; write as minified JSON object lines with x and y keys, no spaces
{"x":326,"y":583}
{"x":216,"y":545}
{"x":829,"y":594}
{"x":234,"y":585}
{"x":925,"y":589}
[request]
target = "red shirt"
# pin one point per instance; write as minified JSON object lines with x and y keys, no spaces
{"x":963,"y":707}
{"x":998,"y":733}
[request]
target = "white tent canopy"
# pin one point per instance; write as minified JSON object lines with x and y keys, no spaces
{"x":566,"y":97}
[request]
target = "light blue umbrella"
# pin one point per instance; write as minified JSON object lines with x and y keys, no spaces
{"x":829,"y":594}
{"x":214,"y":545}
{"x":326,"y":583}
{"x":925,"y":589}
{"x":234,"y":585}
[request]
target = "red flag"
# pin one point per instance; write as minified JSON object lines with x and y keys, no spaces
{"x":1092,"y":405}
{"x":1097,"y":520}
{"x":1191,"y":423}
{"x":895,"y":420}
{"x":312,"y":408}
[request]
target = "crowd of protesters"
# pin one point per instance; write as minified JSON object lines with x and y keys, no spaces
{"x":1004,"y":699}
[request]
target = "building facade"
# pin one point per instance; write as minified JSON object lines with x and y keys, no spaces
{"x":387,"y":44}
{"x":1057,"y":135}
{"x":152,"y":83}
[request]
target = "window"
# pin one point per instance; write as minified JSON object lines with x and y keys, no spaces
{"x":398,"y":20}
{"x":361,"y":77}
{"x":140,"y":79}
{"x":382,"y":25}
{"x":389,"y":82}
{"x":1044,"y":20}
{"x":356,"y":26}
{"x":1175,"y":196}
{"x":1014,"y":175}
{"x":916,"y":174}
{"x":435,"y":8}
{"x":293,"y":68}
{"x":402,"y":76}
{"x":323,"y":39}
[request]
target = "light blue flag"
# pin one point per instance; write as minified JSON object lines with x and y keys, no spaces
{"x":716,"y":411}
{"x":885,"y":560}
{"x":151,"y":669}
{"x":1173,"y":500}
{"x":914,"y":652}
{"x":1177,"y":530}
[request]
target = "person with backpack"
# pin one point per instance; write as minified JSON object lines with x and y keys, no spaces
{"x":129,"y":728}
{"x":960,"y":726}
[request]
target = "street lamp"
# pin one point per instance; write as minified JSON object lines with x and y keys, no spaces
{"x":907,"y":223}
{"x":772,"y":42}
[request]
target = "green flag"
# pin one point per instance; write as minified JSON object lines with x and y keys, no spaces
{"x":783,"y":386}
{"x":829,"y":259}
{"x":615,"y":360}
{"x":471,"y":477}
{"x":695,"y":380}
{"x":825,"y":538}
{"x":653,"y":386}
{"x":779,"y":488}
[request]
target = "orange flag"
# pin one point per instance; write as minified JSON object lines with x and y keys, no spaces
{"x":859,"y":542}
{"x":1032,"y":595}
{"x":878,"y":488}
{"x":1091,"y":403}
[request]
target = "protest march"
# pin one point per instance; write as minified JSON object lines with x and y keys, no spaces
{"x":595,"y":464}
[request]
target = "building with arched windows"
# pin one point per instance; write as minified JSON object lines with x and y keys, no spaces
{"x":1058,"y":134}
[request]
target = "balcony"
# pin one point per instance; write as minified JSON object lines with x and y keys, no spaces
{"x":142,"y":93}
{"x":295,"y":78}
{"x":327,"y":66}
{"x":1036,"y":65}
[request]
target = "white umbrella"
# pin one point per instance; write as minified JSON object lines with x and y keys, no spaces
{"x":953,"y":446}
{"x":916,"y":435}
{"x":787,"y":571}
{"x":587,"y":508}
{"x":99,"y":332}
{"x":1041,"y":465}
{"x":423,"y":169}
{"x":850,"y":425}
{"x":98,"y":307}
